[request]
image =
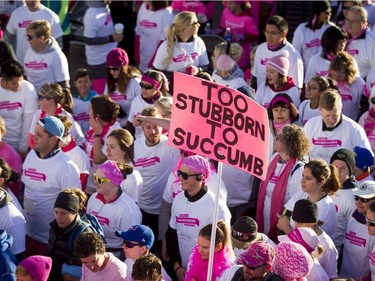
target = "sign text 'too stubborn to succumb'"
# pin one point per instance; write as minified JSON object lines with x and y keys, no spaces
{"x":219,"y":123}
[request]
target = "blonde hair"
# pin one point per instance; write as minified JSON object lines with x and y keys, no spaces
{"x":80,"y":194}
{"x":181,"y":22}
{"x":41,"y":28}
{"x":20,"y":270}
{"x":235,"y":50}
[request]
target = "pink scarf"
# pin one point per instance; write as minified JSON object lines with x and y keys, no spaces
{"x":278,"y":195}
{"x":198,"y":267}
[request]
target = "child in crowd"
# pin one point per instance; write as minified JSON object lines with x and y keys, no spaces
{"x":223,"y":255}
{"x":81,"y":99}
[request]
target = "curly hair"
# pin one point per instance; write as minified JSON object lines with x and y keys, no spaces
{"x":296,"y":143}
{"x":147,"y":268}
{"x":322,"y":171}
{"x":89,"y":244}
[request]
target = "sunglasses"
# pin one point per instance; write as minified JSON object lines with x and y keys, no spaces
{"x":40,"y":97}
{"x":244,"y":262}
{"x":184,"y":175}
{"x":146,"y":86}
{"x":31,"y":37}
{"x":113,"y":68}
{"x":363,"y":200}
{"x":370,"y":222}
{"x":242,"y":236}
{"x":130,"y":245}
{"x":100,"y":180}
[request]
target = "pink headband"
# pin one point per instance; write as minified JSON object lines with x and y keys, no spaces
{"x":280,"y":98}
{"x":296,"y":236}
{"x":153,"y":82}
{"x":112,"y":172}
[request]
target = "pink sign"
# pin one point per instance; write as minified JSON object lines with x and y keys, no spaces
{"x":220,"y":123}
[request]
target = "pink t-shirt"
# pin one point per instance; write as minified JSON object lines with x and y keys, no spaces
{"x":14,"y":160}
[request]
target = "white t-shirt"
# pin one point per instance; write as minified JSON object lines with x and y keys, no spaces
{"x":184,"y":54}
{"x":324,"y":143}
{"x":98,"y":22}
{"x":306,"y":112}
{"x":308,"y":42}
{"x":265,"y":94}
{"x":317,"y":273}
{"x":263,"y":54}
{"x":21,"y":17}
{"x":42,"y":185}
{"x":138,"y":104}
{"x":13,"y":222}
{"x":125,"y":100}
{"x":188,"y":218}
{"x":120,"y":214}
{"x":155,"y":164}
{"x":17,"y":109}
{"x":79,"y":157}
{"x":115,"y":270}
{"x":132,"y":184}
{"x":328,"y":259}
{"x":151,"y":27}
{"x":46,"y":66}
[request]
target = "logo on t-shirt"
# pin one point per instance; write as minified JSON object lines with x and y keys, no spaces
{"x":10,"y":105}
{"x":146,"y":162}
{"x":36,"y":65}
{"x":313,"y":43}
{"x":185,"y":220}
{"x":148,"y":24}
{"x":324,"y":142}
{"x":34,"y":175}
{"x":353,"y":52}
{"x":24,"y":24}
{"x":355,"y":240}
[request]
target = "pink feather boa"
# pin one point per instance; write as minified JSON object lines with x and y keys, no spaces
{"x":198,"y":267}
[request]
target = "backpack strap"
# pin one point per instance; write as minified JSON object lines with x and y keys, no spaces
{"x":238,"y":276}
{"x":77,"y":231}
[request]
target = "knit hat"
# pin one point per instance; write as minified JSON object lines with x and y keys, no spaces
{"x":366,"y":190}
{"x":363,"y":158}
{"x":346,"y":155}
{"x":117,"y":57}
{"x":225,"y":63}
{"x":257,"y":254}
{"x":67,"y":201}
{"x":52,"y":125}
{"x":39,"y":267}
{"x":305,"y":211}
{"x":321,"y":6}
{"x":139,"y":233}
{"x":292,"y":261}
{"x":198,"y":165}
{"x":245,"y":229}
{"x":280,"y":63}
{"x":304,"y":236}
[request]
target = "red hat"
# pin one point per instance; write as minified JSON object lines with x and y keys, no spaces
{"x":117,"y":57}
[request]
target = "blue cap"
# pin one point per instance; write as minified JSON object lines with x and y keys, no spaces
{"x":52,"y":125}
{"x":363,"y":157}
{"x":139,"y":233}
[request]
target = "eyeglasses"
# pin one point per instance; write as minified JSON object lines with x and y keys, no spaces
{"x":100,"y":180}
{"x":31,"y":37}
{"x":40,"y":97}
{"x":352,"y":21}
{"x":370,"y":222}
{"x":242,"y":236}
{"x":244,"y":263}
{"x":130,"y":245}
{"x":184,"y":175}
{"x":146,"y":86}
{"x":113,"y":68}
{"x":363,"y":200}
{"x":273,"y":33}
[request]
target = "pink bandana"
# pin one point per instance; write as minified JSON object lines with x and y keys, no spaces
{"x":112,"y":172}
{"x":198,"y":164}
{"x":153,"y":82}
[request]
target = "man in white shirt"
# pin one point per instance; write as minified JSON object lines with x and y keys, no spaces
{"x":18,"y":103}
{"x":46,"y":172}
{"x":44,"y":60}
{"x":22,"y":17}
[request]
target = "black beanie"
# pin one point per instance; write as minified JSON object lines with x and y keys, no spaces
{"x":305,"y":211}
{"x":67,"y":201}
{"x":346,"y":155}
{"x":321,"y":6}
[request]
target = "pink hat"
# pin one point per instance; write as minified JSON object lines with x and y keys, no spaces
{"x":304,"y":236}
{"x":257,"y":254}
{"x":112,"y":172}
{"x":225,"y":63}
{"x":117,"y":57}
{"x":197,"y":164}
{"x":280,"y":63}
{"x":39,"y":267}
{"x":292,"y":261}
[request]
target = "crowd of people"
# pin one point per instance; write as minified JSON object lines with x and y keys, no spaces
{"x":90,"y":189}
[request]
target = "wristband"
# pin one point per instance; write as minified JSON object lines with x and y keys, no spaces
{"x":97,"y":136}
{"x":175,"y":271}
